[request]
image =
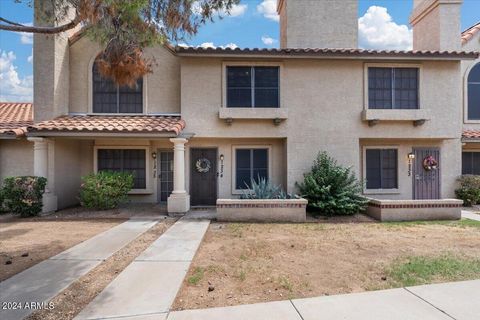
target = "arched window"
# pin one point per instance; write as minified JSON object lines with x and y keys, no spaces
{"x":111,"y":98}
{"x":473,"y":90}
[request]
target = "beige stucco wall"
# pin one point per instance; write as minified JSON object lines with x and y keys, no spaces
{"x":323,"y":24}
{"x":325,"y":100}
{"x":161,"y":88}
{"x":16,"y":158}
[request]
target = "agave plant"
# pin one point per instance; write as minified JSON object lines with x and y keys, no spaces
{"x":263,"y":189}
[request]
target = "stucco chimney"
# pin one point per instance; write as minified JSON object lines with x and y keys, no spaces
{"x":318,"y":23}
{"x":436,"y":25}
{"x":50,"y":67}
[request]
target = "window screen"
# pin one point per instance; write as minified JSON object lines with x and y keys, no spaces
{"x":474,"y":93}
{"x":110,"y":98}
{"x":250,"y":164}
{"x":124,"y":160}
{"x":392,"y":88}
{"x":471,"y":163}
{"x":381,"y":167}
{"x":249,"y":87}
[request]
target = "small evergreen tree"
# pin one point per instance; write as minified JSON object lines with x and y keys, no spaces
{"x":332,"y":189}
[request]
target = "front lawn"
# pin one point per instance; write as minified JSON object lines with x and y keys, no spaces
{"x":249,"y":263}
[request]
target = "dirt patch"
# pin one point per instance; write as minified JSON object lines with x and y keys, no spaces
{"x":80,"y":293}
{"x":26,"y":242}
{"x":250,"y":263}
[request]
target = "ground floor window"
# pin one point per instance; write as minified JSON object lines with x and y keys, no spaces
{"x":471,"y":163}
{"x":381,"y":168}
{"x":250,"y":164}
{"x":125,"y":160}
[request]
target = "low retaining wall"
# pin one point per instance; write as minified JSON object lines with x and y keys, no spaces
{"x":411,"y":210}
{"x":274,"y":210}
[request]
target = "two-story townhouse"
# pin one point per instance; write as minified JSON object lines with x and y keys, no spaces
{"x":206,"y":121}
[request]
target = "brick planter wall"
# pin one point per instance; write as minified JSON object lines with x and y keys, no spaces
{"x":411,"y":210}
{"x":270,"y":210}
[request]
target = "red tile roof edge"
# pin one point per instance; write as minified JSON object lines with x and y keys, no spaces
{"x":470,"y":33}
{"x":14,"y":118}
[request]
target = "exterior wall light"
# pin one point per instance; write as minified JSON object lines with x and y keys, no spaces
{"x":154,"y":155}
{"x":411,"y":156}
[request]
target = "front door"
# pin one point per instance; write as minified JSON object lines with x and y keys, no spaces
{"x":426,"y":173}
{"x":165,"y":174}
{"x":203,"y":177}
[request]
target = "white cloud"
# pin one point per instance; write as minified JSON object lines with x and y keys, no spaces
{"x":269,"y":41}
{"x":30,"y":57}
{"x":268,"y":8}
{"x":12,"y":87}
{"x":237,"y":10}
{"x":376,"y":30}
{"x":211,"y":45}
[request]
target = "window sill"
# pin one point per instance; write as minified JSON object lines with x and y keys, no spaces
{"x":381,"y":191}
{"x":253,"y":113}
{"x":140,"y":191}
{"x":395,"y":114}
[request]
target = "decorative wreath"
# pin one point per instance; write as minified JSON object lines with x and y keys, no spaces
{"x":429,"y":163}
{"x":203,"y":165}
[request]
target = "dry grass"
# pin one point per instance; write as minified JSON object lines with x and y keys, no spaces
{"x":249,"y":263}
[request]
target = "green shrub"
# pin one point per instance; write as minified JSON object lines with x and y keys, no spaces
{"x":2,"y":199}
{"x":469,"y":190}
{"x":332,"y":189}
{"x":23,"y":195}
{"x":105,"y":190}
{"x":264,"y":189}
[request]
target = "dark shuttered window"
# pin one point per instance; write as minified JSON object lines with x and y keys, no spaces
{"x":381,"y":167}
{"x":471,"y":163}
{"x":124,"y":160}
{"x":250,"y":164}
{"x":111,"y":98}
{"x":392,"y":88}
{"x":252,"y":87}
{"x":474,"y":93}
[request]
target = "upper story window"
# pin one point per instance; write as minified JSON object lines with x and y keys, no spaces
{"x":109,"y":97}
{"x":252,"y":87}
{"x":473,"y":90}
{"x":393,"y":88}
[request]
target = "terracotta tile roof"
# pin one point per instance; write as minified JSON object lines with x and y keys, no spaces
{"x":470,"y":32}
{"x":471,"y":134}
{"x":327,"y":52}
{"x":15,"y":117}
{"x":111,"y":124}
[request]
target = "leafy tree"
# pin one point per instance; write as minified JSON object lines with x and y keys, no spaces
{"x":332,"y":189}
{"x":124,"y":27}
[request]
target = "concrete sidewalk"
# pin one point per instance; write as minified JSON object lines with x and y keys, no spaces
{"x":446,"y":301}
{"x":147,"y":287}
{"x":470,"y":215}
{"x":45,"y":280}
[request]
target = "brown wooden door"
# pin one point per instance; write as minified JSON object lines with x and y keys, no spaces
{"x":426,"y":183}
{"x":203,"y":177}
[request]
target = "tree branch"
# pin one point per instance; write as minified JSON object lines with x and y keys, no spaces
{"x":33,"y":29}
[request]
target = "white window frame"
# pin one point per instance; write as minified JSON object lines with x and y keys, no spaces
{"x":251,"y":64}
{"x":392,"y":65}
{"x":364,"y":171}
{"x":465,"y":93}
{"x":148,"y":176}
{"x":90,"y":93}
{"x":234,"y":164}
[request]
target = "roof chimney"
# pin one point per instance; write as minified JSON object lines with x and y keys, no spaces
{"x":318,"y":23}
{"x":436,"y":25}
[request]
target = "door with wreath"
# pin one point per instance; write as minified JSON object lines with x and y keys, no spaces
{"x":203,"y":176}
{"x":426,"y":173}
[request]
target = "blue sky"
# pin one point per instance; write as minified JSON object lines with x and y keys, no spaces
{"x":382,"y":24}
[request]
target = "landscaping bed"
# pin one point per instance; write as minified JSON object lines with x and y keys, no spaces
{"x":248,"y":263}
{"x":26,"y":242}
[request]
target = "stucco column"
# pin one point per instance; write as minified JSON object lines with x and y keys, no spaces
{"x":41,"y":169}
{"x":179,"y":200}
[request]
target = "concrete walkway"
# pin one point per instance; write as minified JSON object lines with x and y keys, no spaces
{"x":446,"y":301}
{"x":147,"y":287}
{"x":470,"y":215}
{"x":45,"y":280}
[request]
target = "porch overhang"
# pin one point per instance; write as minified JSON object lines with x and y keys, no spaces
{"x":471,"y":136}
